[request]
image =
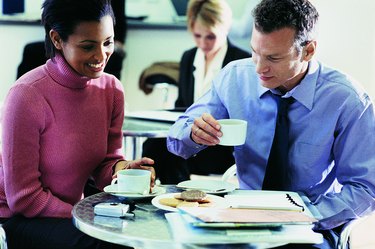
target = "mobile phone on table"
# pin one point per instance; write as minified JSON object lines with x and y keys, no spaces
{"x":113,"y":209}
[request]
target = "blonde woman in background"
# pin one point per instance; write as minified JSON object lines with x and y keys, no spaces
{"x":209,"y":22}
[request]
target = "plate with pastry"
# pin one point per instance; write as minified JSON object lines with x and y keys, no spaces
{"x":188,"y":198}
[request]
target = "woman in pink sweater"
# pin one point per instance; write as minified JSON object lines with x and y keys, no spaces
{"x":62,"y":125}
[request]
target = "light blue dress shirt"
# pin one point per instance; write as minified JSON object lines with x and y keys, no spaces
{"x":331,"y":136}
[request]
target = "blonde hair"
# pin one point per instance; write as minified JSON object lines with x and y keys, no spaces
{"x":210,"y":13}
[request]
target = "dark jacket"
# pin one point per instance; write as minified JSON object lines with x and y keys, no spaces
{"x":186,"y":78}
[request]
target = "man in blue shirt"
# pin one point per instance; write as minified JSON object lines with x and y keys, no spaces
{"x":331,"y":121}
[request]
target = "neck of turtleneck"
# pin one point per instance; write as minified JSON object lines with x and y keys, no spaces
{"x":64,"y":74}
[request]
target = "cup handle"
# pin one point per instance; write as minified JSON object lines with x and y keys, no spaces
{"x":114,"y":181}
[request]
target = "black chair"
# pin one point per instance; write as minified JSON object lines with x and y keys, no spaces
{"x":163,"y":72}
{"x":34,"y":55}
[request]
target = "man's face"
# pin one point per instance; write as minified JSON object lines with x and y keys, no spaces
{"x":88,"y":49}
{"x":277,"y":61}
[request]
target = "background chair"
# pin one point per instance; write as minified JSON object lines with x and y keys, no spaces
{"x":358,"y":234}
{"x":161,"y":76}
{"x":159,"y":72}
{"x":34,"y":55}
{"x":3,"y":239}
{"x":230,"y":175}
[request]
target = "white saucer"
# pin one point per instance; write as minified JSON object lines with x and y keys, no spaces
{"x":208,"y":186}
{"x":112,"y":189}
{"x":217,"y":200}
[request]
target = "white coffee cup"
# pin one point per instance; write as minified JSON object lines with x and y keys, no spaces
{"x":135,"y":181}
{"x":234,"y":131}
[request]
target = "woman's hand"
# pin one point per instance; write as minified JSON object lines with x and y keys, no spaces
{"x":137,"y":164}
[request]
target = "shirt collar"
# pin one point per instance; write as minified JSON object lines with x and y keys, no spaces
{"x":202,"y":81}
{"x":304,"y":92}
{"x":217,"y":62}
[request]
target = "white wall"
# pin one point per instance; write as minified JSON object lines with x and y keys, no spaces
{"x":347,"y":38}
{"x":347,"y":41}
{"x":12,"y":41}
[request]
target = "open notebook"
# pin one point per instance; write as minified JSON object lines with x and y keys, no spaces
{"x":185,"y":231}
{"x":251,"y":216}
{"x":248,"y":225}
{"x":254,"y":208}
{"x":267,"y":200}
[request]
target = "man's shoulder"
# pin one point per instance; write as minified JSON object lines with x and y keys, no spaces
{"x":341,"y":81}
{"x":335,"y":76}
{"x":237,"y":72}
{"x":240,"y":64}
{"x":190,"y":52}
{"x":328,"y":73}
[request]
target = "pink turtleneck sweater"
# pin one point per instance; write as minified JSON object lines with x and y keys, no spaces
{"x":58,"y":129}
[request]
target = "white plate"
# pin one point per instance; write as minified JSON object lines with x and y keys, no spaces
{"x":112,"y":189}
{"x":208,"y":186}
{"x":217,"y":200}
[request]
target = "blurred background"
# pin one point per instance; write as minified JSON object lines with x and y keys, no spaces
{"x":155,"y":33}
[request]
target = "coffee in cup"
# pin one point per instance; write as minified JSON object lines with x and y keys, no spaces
{"x":135,"y":181}
{"x":234,"y":132}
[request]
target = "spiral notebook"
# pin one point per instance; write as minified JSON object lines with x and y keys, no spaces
{"x":267,"y":200}
{"x":248,"y":216}
{"x":254,"y":208}
{"x":186,"y":232}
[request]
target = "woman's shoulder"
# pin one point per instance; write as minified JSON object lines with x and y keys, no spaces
{"x":187,"y":58}
{"x":30,"y":84}
{"x":234,"y":53}
{"x":190,"y":53}
{"x":109,"y":81}
{"x":33,"y":76}
{"x":26,"y":95}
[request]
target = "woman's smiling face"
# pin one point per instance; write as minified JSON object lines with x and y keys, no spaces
{"x":88,"y":49}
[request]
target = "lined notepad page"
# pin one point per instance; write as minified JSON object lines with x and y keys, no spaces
{"x":267,"y":200}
